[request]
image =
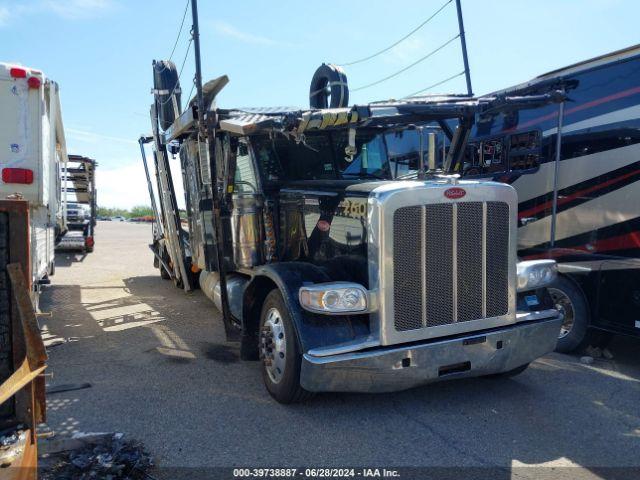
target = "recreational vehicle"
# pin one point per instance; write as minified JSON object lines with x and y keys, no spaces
{"x":578,"y":204}
{"x":33,"y":151}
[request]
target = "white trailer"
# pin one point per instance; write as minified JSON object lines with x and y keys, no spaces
{"x":32,"y":154}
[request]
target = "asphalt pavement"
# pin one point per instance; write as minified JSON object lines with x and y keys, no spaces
{"x":161,"y":372}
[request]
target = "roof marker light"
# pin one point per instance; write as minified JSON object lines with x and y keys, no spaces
{"x":16,"y":72}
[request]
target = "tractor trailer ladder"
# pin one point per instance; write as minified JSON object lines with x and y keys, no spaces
{"x":169,"y":245}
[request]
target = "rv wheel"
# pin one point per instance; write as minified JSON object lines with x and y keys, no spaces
{"x":569,"y":300}
{"x":279,"y":351}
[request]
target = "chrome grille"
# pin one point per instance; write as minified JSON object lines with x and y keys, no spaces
{"x":446,"y":256}
{"x":469,"y":260}
{"x":438,"y":264}
{"x":497,"y":259}
{"x":407,"y":294}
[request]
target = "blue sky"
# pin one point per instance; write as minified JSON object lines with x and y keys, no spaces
{"x":100,"y":52}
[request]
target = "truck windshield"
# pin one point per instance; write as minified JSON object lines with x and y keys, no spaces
{"x":326,"y":155}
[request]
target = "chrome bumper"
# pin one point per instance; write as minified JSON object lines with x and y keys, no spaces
{"x":387,"y":369}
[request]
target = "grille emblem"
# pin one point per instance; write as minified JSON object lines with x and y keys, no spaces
{"x":455,"y":193}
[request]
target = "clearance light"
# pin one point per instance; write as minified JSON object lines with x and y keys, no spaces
{"x":334,"y":298}
{"x":17,"y":175}
{"x":16,"y":72}
{"x":534,"y":274}
{"x":34,"y":82}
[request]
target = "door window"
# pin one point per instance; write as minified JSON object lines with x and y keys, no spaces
{"x":245,"y":178}
{"x":524,"y":150}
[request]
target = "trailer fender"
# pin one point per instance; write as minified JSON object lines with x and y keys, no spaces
{"x":312,"y":330}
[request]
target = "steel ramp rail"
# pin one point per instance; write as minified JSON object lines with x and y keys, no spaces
{"x":172,"y":232}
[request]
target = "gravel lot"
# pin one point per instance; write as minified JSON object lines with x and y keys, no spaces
{"x":161,"y":372}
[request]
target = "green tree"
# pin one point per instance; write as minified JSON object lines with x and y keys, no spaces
{"x":141,"y":211}
{"x":137,"y":211}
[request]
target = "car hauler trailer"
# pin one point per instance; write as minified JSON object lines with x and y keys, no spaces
{"x":79,"y":204}
{"x":337,"y":280}
{"x":32,"y":153}
{"x":578,"y":204}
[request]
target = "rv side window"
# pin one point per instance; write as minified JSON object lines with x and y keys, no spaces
{"x":524,"y":150}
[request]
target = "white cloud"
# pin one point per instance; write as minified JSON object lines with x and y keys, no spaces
{"x":92,"y":137}
{"x":67,"y":9}
{"x":122,"y":187}
{"x":4,"y":15}
{"x":230,"y":31}
{"x":407,"y":51}
{"x":126,"y":186}
{"x":77,"y":9}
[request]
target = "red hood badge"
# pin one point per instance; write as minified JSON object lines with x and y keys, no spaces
{"x":455,"y":193}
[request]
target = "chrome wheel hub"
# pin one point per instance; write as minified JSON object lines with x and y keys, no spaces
{"x":565,"y":306}
{"x":273,"y":345}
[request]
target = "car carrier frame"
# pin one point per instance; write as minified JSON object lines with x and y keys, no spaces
{"x":78,"y":178}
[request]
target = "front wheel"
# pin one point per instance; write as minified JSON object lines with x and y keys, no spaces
{"x":279,"y":351}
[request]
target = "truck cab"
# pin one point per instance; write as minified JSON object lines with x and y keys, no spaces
{"x":341,"y":276}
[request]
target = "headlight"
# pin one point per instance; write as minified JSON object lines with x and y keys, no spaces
{"x":334,"y":298}
{"x":534,"y":274}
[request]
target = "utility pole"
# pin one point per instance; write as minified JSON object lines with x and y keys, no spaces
{"x":463,"y":43}
{"x":195,"y":34}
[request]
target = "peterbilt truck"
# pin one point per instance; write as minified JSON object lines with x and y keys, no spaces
{"x":333,"y":275}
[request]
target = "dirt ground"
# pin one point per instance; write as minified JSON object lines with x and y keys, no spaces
{"x":161,"y":372}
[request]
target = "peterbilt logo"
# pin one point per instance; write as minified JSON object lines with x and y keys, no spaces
{"x":455,"y":193}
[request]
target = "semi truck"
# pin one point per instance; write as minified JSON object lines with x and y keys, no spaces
{"x":332,"y":274}
{"x":32,"y":156}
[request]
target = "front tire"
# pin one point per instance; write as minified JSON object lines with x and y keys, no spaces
{"x":569,"y":300}
{"x":279,"y":352}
